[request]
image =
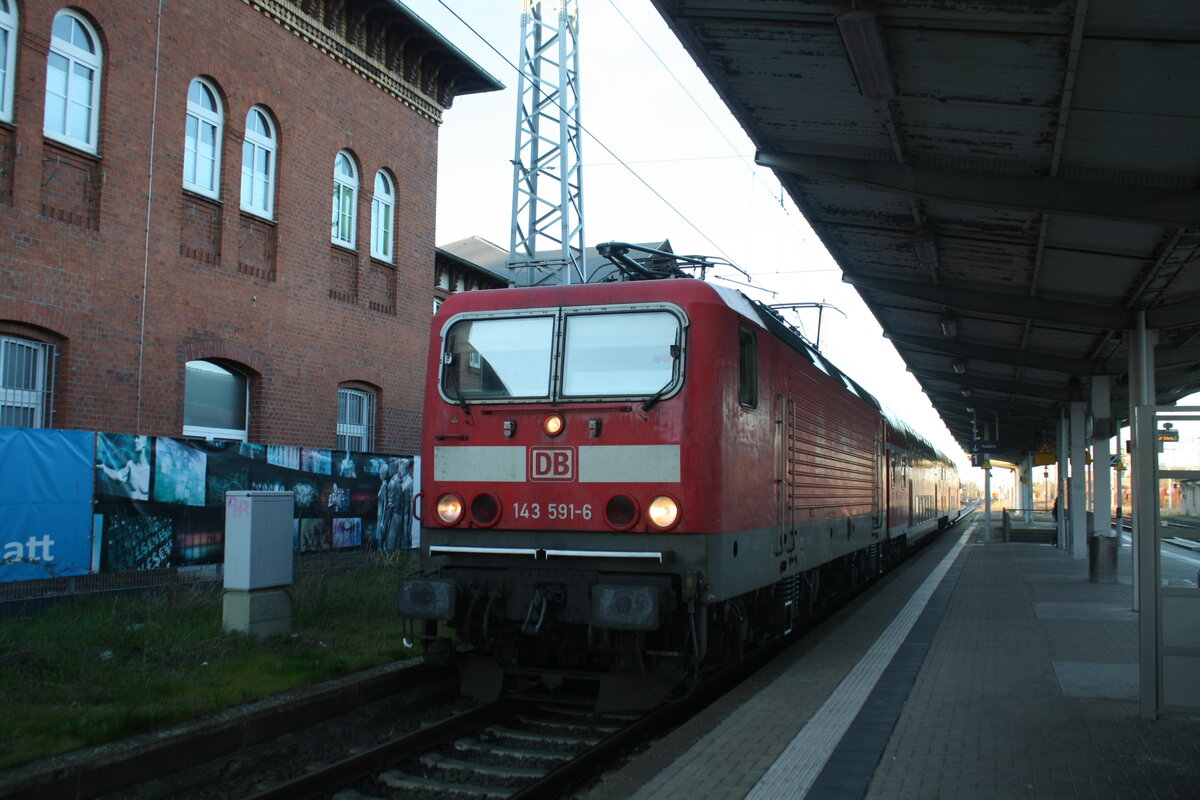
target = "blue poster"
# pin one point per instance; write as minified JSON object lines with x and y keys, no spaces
{"x":46,"y":482}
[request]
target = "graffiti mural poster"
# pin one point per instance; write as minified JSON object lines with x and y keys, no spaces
{"x":73,"y":502}
{"x":46,"y":479}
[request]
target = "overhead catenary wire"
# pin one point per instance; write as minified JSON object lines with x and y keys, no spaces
{"x":595,"y":139}
{"x":699,"y":107}
{"x":622,"y":162}
{"x":804,"y":250}
{"x":755,"y":173}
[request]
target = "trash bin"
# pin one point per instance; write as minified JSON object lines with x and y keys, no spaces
{"x":1102,"y":559}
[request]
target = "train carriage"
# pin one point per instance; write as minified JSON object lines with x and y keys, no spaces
{"x":637,"y":478}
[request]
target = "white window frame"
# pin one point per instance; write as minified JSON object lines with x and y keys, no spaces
{"x":37,"y":366}
{"x":345,"y":200}
{"x":383,"y":216}
{"x":200,"y":118}
{"x":356,"y":420}
{"x":77,"y":58}
{"x":258,"y":182}
{"x":8,"y":57}
{"x":210,"y":433}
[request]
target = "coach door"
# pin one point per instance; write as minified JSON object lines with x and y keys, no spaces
{"x":881,"y":478}
{"x":908,"y":480}
{"x":785,"y":430}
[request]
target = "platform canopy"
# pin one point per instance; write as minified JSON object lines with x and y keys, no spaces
{"x":1007,"y":183}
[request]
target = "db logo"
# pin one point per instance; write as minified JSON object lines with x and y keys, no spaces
{"x":551,"y":464}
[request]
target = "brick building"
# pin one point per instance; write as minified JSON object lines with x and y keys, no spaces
{"x":169,"y":263}
{"x":460,"y":268}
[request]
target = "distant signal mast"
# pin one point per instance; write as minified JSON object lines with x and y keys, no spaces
{"x":547,"y":207}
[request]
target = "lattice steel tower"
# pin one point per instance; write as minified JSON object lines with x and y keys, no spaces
{"x":547,"y":164}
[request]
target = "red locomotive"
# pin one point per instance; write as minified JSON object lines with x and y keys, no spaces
{"x":639,"y":477}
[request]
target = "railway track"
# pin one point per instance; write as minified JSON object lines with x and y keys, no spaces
{"x":217,"y":755}
{"x":522,"y":747}
{"x":513,"y":748}
{"x":518,"y":748}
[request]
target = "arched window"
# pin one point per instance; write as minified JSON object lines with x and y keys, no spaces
{"x":215,"y":402}
{"x":383,"y":204}
{"x":8,"y":57}
{"x":73,"y":82}
{"x":202,"y":140}
{"x":356,"y":420}
{"x":258,"y":164}
{"x":26,"y":382}
{"x":345,"y":199}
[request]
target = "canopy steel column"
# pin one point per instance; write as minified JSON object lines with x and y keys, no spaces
{"x":1061,"y":469}
{"x":987,"y":503}
{"x":1142,"y":392}
{"x":1026,"y":473}
{"x":1077,"y":483}
{"x":1145,"y":512}
{"x":1102,"y":547}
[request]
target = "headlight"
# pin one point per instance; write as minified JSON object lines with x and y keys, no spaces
{"x":621,"y":513}
{"x":485,"y":510}
{"x":552,"y":424}
{"x":449,"y":509}
{"x":663,"y":512}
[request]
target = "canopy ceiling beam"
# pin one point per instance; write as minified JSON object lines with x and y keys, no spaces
{"x":1000,"y":189}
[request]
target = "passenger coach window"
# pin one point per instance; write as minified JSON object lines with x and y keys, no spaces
{"x":498,"y":358}
{"x":747,"y":367}
{"x":628,"y":354}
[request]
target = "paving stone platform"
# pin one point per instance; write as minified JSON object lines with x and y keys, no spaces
{"x":977,"y":670}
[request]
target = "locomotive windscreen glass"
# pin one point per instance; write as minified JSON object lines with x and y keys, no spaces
{"x":628,"y":354}
{"x":498,"y":358}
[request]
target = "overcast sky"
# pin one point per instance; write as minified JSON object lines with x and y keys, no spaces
{"x":687,"y":176}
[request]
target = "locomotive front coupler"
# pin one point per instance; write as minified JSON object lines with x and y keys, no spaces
{"x":544,"y":596}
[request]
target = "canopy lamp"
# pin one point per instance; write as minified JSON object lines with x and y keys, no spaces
{"x":925,"y":245}
{"x":949,"y":327}
{"x":863,"y":39}
{"x":959,"y":366}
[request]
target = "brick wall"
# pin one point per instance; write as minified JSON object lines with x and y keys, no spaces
{"x":98,"y":250}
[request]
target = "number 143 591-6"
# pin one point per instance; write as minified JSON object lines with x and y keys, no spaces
{"x":554,"y":511}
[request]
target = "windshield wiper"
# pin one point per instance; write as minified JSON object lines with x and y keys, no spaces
{"x":654,"y":398}
{"x":448,"y":360}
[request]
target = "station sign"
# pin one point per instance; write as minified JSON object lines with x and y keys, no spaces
{"x":984,"y":446}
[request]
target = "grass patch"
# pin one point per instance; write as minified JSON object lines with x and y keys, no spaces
{"x":95,"y":668}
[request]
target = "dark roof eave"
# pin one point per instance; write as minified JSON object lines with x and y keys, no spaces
{"x":483,"y":81}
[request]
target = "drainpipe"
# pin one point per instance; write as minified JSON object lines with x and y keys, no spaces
{"x":149,"y":205}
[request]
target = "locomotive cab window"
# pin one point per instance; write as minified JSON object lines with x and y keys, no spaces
{"x":494,"y":359}
{"x":564,"y":354}
{"x":626,"y":354}
{"x":747,"y":367}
